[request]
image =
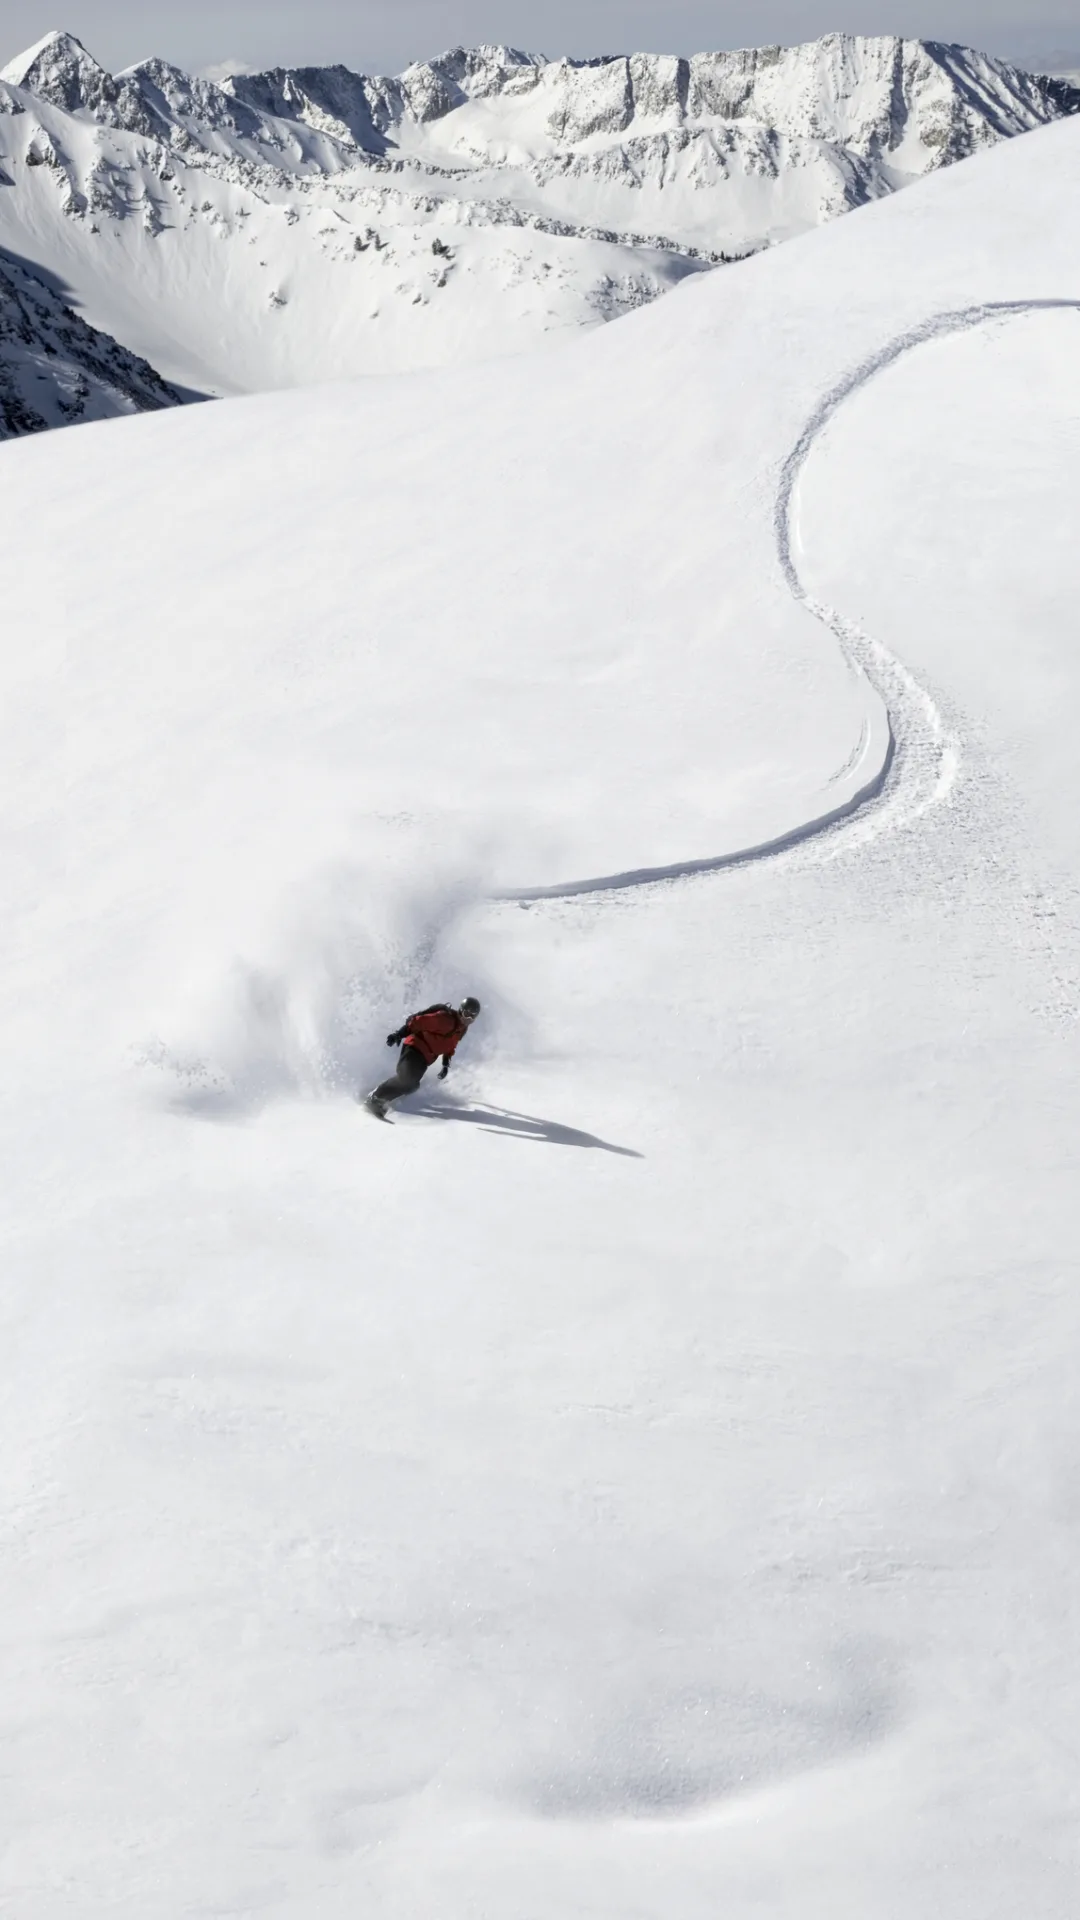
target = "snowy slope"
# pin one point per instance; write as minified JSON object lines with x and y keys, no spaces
{"x":640,"y":1480}
{"x":55,"y":370}
{"x":296,"y":226}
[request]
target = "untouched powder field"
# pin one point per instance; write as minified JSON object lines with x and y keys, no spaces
{"x":640,"y":1482}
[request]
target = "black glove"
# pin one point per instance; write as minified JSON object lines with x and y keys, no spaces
{"x":393,"y":1039}
{"x":445,"y":1069}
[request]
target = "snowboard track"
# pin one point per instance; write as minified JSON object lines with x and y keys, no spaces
{"x":921,"y":759}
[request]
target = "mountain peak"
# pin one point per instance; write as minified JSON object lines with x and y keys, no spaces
{"x":59,"y":68}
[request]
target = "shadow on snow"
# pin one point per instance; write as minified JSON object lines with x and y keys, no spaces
{"x":522,"y":1126}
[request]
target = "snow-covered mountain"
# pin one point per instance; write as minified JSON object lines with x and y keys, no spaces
{"x":309,"y":224}
{"x":56,"y":370}
{"x":901,"y":106}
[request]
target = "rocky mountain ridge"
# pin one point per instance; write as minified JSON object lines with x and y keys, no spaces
{"x":868,"y":95}
{"x":876,"y":97}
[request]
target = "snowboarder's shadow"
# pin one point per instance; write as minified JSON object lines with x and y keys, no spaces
{"x":522,"y":1126}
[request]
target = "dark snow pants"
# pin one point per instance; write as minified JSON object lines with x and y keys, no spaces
{"x":411,"y":1068}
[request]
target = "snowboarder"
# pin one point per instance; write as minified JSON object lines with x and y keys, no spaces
{"x":427,"y":1035}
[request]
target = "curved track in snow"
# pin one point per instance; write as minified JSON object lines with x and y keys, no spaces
{"x":920,"y":758}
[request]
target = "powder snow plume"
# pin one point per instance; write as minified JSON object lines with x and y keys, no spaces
{"x":304,"y":1006}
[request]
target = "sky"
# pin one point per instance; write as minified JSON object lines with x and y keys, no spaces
{"x":385,"y":35}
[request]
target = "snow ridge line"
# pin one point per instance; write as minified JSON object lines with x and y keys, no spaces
{"x":922,"y":757}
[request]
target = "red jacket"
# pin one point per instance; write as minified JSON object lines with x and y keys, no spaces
{"x":435,"y":1031}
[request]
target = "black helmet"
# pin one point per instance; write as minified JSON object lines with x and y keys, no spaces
{"x":470,"y":1006}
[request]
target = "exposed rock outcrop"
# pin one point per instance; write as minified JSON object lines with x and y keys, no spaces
{"x":56,"y":370}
